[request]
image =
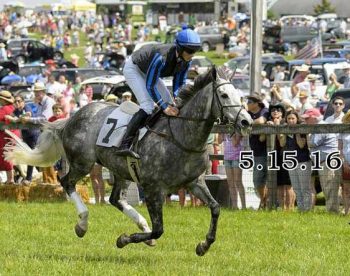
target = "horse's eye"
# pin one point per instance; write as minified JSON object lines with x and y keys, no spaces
{"x":224,"y":96}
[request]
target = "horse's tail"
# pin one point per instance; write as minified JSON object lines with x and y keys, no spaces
{"x":47,"y":151}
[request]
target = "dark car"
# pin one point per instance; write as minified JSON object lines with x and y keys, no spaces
{"x":6,"y":67}
{"x":336,"y":53}
{"x":25,"y":50}
{"x":211,"y":35}
{"x":111,"y":61}
{"x":290,"y":38}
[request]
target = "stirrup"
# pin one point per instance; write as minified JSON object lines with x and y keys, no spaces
{"x":128,"y":152}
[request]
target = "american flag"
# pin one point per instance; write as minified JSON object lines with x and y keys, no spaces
{"x":311,"y":49}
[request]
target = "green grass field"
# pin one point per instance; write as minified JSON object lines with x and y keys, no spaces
{"x":38,"y":239}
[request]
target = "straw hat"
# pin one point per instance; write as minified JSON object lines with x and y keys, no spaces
{"x":346,"y":118}
{"x":2,"y":45}
{"x":7,"y":96}
{"x":111,"y":98}
{"x":311,"y":77}
{"x":303,"y":94}
{"x":39,"y":86}
{"x":303,"y":68}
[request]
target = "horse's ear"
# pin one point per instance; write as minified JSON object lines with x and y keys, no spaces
{"x":214,"y":73}
{"x":226,"y":72}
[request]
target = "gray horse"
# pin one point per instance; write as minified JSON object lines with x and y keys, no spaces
{"x":172,"y":154}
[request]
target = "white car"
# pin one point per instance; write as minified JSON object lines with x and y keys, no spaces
{"x":201,"y":64}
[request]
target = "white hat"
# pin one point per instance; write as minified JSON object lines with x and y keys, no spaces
{"x":39,"y":86}
{"x":303,"y":68}
{"x":126,"y":94}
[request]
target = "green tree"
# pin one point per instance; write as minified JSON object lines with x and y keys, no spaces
{"x":324,"y":7}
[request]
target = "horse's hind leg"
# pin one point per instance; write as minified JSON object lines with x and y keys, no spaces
{"x":154,"y":201}
{"x":200,"y":190}
{"x":68,"y":182}
{"x":118,"y":199}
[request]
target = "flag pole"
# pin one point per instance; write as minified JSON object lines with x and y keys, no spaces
{"x":320,"y":38}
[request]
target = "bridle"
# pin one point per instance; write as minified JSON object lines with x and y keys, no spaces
{"x":172,"y":138}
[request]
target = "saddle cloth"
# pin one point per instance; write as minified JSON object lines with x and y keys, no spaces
{"x":114,"y":126}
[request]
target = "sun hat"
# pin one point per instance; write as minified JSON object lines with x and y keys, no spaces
{"x":303,"y":94}
{"x":111,"y":98}
{"x":39,"y":86}
{"x":6,"y":96}
{"x":126,"y":94}
{"x":311,"y":77}
{"x":2,"y":45}
{"x":303,"y":68}
{"x":311,"y":113}
{"x":74,"y":56}
{"x":257,"y":98}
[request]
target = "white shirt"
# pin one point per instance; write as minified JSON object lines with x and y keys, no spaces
{"x":345,"y":137}
{"x":333,"y":120}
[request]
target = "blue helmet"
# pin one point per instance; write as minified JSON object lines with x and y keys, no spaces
{"x":188,"y":40}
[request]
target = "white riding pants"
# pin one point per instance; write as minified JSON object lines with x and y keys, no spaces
{"x":136,"y":80}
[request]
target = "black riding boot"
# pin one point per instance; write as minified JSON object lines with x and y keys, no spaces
{"x":135,"y":123}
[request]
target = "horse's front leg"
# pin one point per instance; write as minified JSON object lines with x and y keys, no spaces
{"x":118,"y":199}
{"x":200,"y":190}
{"x":154,"y":201}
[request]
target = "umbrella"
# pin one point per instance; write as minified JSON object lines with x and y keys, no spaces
{"x":240,"y":16}
{"x":11,"y":79}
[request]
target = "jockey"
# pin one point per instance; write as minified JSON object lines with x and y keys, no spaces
{"x":143,"y":72}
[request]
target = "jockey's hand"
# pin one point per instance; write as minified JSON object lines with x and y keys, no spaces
{"x":171,"y":111}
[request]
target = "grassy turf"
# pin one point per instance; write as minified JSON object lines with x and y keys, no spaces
{"x":38,"y":239}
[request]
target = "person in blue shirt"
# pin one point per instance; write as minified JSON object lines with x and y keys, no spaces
{"x":143,"y":72}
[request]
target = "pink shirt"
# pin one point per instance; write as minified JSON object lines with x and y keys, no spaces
{"x":231,"y":152}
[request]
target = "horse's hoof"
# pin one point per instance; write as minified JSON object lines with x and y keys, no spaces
{"x":151,"y":242}
{"x":80,"y":232}
{"x":121,"y":241}
{"x":201,"y":249}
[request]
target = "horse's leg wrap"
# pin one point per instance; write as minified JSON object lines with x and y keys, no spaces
{"x":200,"y":190}
{"x":82,"y":226}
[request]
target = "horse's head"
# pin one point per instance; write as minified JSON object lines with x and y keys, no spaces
{"x":227,"y":105}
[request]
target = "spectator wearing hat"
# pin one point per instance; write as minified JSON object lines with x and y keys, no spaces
{"x":344,"y":147}
{"x":111,"y":98}
{"x":324,"y":144}
{"x":7,"y":108}
{"x":304,"y":101}
{"x":3,"y":52}
{"x":300,"y":179}
{"x":126,"y":96}
{"x":44,"y":112}
{"x":345,"y":80}
{"x":285,"y":194}
{"x":303,"y":71}
{"x":259,"y":114}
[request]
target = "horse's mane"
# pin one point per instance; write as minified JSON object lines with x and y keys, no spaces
{"x":203,"y":80}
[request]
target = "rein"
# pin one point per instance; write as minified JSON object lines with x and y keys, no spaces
{"x":172,"y":138}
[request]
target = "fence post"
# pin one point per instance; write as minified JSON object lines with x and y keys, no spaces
{"x":271,"y":175}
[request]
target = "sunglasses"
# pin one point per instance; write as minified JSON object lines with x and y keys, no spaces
{"x":189,"y":51}
{"x":338,"y":103}
{"x":18,"y":101}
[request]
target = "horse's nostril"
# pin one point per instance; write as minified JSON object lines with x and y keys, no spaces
{"x":245,"y":123}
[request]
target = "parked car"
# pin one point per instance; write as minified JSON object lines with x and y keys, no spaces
{"x":336,"y":53}
{"x":241,"y":64}
{"x":111,"y":61}
{"x":25,"y":50}
{"x":211,"y":36}
{"x":6,"y":67}
{"x":290,"y":38}
{"x":31,"y":72}
{"x":201,"y":64}
{"x":242,"y":84}
{"x":84,"y":73}
{"x":108,"y":84}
